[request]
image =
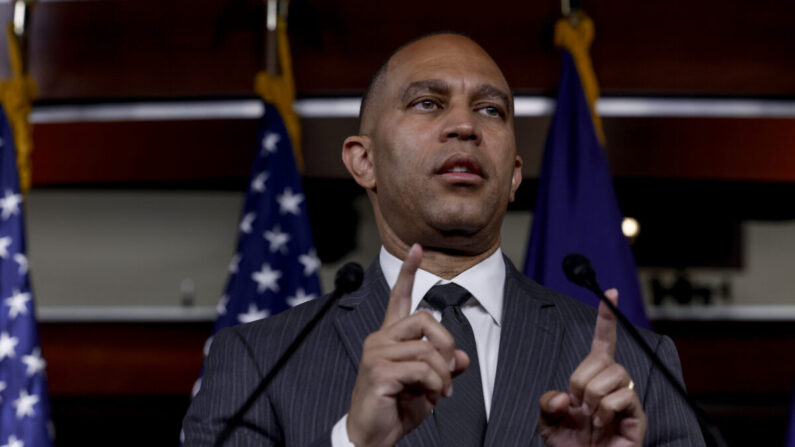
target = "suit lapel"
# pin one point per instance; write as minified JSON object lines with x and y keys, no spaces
{"x":364,"y":313}
{"x":365,"y":309}
{"x":529,"y":345}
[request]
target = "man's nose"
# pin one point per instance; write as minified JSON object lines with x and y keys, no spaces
{"x":461,"y":125}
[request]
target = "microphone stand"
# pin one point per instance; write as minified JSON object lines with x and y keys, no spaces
{"x":584,"y":275}
{"x":349,"y":278}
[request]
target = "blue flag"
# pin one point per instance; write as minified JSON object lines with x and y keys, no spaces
{"x":24,"y":401}
{"x":275,"y":266}
{"x":577,"y":210}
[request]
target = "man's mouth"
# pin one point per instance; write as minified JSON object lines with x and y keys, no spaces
{"x":461,"y":169}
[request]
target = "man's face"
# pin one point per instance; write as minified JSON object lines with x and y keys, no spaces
{"x":443,"y":146}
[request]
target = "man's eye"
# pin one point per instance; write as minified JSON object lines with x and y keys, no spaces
{"x":491,"y":111}
{"x":426,"y":104}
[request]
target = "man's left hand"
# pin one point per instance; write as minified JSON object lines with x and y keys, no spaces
{"x":601,"y":408}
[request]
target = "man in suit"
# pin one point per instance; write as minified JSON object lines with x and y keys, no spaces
{"x":493,"y":360}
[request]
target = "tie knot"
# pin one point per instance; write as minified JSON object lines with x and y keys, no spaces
{"x":443,"y":296}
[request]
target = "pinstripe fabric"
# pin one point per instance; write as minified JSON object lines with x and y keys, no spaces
{"x":544,"y":337}
{"x":367,"y":307}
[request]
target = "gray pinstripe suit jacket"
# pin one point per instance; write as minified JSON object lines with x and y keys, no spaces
{"x":544,"y":337}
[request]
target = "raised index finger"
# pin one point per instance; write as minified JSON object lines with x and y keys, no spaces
{"x":400,"y":300}
{"x":604,"y":337}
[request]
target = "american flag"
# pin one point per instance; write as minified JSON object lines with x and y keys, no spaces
{"x":275,"y":266}
{"x":24,"y":402}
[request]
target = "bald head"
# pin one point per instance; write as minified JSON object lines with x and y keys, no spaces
{"x":423,"y":49}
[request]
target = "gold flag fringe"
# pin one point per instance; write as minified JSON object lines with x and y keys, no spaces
{"x":16,"y":96}
{"x":577,"y":40}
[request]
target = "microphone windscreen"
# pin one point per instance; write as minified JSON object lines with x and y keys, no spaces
{"x":578,"y":269}
{"x":349,"y":277}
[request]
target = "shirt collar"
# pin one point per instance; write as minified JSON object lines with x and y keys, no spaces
{"x":485,"y":281}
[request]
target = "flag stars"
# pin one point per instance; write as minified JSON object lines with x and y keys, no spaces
{"x":245,"y":224}
{"x":253,"y":314}
{"x":266,"y":279}
{"x":14,"y":442}
{"x":270,"y":238}
{"x":258,"y":184}
{"x":22,"y":260}
{"x":24,"y":404}
{"x":10,"y":204}
{"x":300,"y":297}
{"x":234,"y":263}
{"x":34,"y":362}
{"x":5,"y":242}
{"x":8,"y":345}
{"x":221,"y":306}
{"x":289,"y":202}
{"x":269,"y":142}
{"x":17,"y":303}
{"x":277,"y":239}
{"x":20,"y":401}
{"x":310,"y":261}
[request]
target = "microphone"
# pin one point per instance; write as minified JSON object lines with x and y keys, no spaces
{"x":349,"y":278}
{"x":578,"y":269}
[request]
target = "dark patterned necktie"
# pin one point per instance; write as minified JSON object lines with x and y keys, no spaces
{"x":461,"y":418}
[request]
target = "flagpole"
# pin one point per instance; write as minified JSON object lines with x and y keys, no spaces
{"x":570,"y":10}
{"x":271,"y":37}
{"x":21,"y":25}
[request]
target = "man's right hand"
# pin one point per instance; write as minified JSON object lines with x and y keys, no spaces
{"x":407,"y":366}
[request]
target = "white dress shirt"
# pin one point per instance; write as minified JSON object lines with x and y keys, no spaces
{"x":486,"y":282}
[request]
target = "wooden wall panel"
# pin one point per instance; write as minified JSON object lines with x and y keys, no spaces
{"x":150,"y":48}
{"x":706,"y":148}
{"x":758,"y":150}
{"x":122,"y":359}
{"x":140,"y":151}
{"x":734,"y":357}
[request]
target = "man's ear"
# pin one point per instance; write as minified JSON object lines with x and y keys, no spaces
{"x":516,"y":180}
{"x":358,"y":158}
